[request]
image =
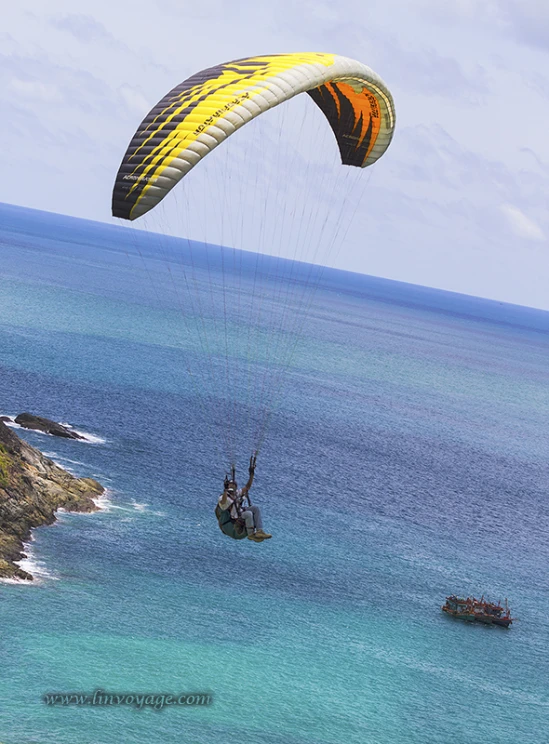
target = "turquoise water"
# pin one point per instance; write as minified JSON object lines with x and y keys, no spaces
{"x":407,"y":460}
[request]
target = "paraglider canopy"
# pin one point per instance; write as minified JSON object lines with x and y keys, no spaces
{"x":200,"y":113}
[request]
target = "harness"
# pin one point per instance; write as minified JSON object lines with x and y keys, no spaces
{"x":231,"y":526}
{"x":235,"y":528}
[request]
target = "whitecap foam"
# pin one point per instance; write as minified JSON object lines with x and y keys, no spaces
{"x":32,"y":565}
{"x":123,"y":508}
{"x":144,"y":508}
{"x":52,"y":455}
{"x":128,"y":507}
{"x":5,"y":580}
{"x":139,"y":507}
{"x":90,"y":438}
{"x":103,"y":501}
{"x":11,"y":423}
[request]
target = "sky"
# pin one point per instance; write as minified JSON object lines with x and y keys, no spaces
{"x":459,"y":201}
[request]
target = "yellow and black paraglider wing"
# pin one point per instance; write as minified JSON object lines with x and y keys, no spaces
{"x":208,"y":107}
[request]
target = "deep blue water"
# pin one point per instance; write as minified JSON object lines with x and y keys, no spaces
{"x":406,"y":459}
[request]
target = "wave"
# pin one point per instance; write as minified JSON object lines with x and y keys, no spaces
{"x":53,"y":455}
{"x":11,"y":423}
{"x":90,"y":438}
{"x":128,"y":506}
{"x":103,"y":501}
{"x":144,"y":508}
{"x":61,"y":462}
{"x":31,"y":564}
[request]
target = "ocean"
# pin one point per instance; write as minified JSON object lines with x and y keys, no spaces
{"x":406,"y":459}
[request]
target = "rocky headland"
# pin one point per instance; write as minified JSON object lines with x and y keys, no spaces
{"x":32,"y":489}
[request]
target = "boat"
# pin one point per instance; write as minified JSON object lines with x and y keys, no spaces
{"x":478,"y":610}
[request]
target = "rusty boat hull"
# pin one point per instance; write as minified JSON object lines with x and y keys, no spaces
{"x":473,"y":610}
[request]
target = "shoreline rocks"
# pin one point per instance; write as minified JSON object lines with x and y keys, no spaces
{"x":32,"y":489}
{"x":30,"y":421}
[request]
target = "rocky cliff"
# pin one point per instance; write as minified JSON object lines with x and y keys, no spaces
{"x":32,"y":488}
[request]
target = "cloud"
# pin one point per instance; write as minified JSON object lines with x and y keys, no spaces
{"x":436,"y":181}
{"x":429,"y":154}
{"x":134,"y":100}
{"x":467,"y":11}
{"x":522,"y":225}
{"x":82,"y":27}
{"x":21,"y":126}
{"x":35,"y":89}
{"x":527,"y":21}
{"x":426,"y":71}
{"x":37,"y":81}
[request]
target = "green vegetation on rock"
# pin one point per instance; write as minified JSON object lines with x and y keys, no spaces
{"x":5,"y":464}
